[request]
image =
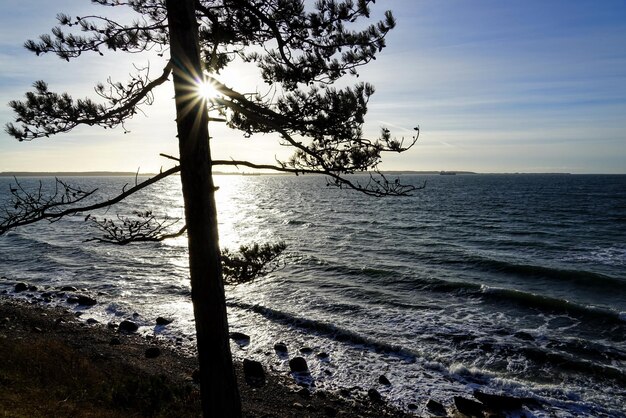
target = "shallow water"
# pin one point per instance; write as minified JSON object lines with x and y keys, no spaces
{"x":511,"y":283}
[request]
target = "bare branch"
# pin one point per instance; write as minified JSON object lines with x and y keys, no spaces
{"x":26,"y":208}
{"x":142,"y":227}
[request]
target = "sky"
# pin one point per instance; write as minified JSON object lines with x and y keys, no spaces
{"x":495,"y":86}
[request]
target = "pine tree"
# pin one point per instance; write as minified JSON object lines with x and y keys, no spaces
{"x":300,"y":49}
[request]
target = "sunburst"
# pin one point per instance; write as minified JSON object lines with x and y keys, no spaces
{"x":207,"y":90}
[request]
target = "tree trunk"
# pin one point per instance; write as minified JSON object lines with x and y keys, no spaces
{"x":219,"y":392}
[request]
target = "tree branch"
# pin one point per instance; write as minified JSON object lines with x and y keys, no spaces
{"x":41,"y":208}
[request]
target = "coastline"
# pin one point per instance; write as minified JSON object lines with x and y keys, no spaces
{"x":55,"y":363}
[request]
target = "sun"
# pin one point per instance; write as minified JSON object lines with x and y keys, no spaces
{"x":207,"y":90}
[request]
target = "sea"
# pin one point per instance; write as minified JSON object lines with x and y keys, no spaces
{"x":510,"y":284}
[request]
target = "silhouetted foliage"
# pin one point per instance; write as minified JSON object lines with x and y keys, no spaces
{"x":251,"y":262}
{"x":300,"y":50}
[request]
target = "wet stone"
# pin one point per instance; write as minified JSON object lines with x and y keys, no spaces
{"x":280,"y":348}
{"x":298,"y":365}
{"x":86,"y":301}
{"x":374,"y":396}
{"x":382,"y":379}
{"x":163,"y":321}
{"x":306,"y":350}
{"x":436,"y":407}
{"x":20,"y":287}
{"x":128,"y":326}
{"x":240,"y":337}
{"x":468,"y":407}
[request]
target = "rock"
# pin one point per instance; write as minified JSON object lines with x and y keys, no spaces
{"x":298,"y":365}
{"x":240,"y":337}
{"x":153,"y":352}
{"x":92,"y":321}
{"x":436,"y":408}
{"x":412,"y":407}
{"x":298,"y":405}
{"x":374,"y":396}
{"x":115,"y":341}
{"x":32,"y":288}
{"x":253,"y":372}
{"x":345,"y":393}
{"x":468,"y":407}
{"x":163,"y":321}
{"x":20,"y":287}
{"x":281,"y":348}
{"x":322,"y":355}
{"x":86,"y":300}
{"x":68,"y":289}
{"x":111,"y":325}
{"x":524,"y":336}
{"x":382,"y":379}
{"x":499,"y":402}
{"x":72,"y":299}
{"x":128,"y":326}
{"x":306,"y":350}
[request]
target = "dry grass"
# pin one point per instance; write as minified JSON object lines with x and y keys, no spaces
{"x":44,"y":377}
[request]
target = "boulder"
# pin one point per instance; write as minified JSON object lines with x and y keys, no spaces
{"x":298,"y":365}
{"x":469,"y":407}
{"x":281,"y":348}
{"x":163,"y":321}
{"x":375,"y":396}
{"x":86,"y":300}
{"x":92,"y":321}
{"x":128,"y":326}
{"x":253,"y":372}
{"x":412,"y":407}
{"x":382,"y":379}
{"x":153,"y":352}
{"x":20,"y":287}
{"x":240,"y":337}
{"x":306,"y":350}
{"x":499,"y":402}
{"x":436,"y":408}
{"x":68,"y":289}
{"x":72,"y":299}
{"x":322,"y":355}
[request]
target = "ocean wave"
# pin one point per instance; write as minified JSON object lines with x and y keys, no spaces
{"x":529,"y":270}
{"x":328,"y":330}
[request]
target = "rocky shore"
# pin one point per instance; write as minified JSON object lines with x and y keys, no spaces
{"x":55,"y":363}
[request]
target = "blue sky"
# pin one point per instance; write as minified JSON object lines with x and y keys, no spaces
{"x":496,"y":86}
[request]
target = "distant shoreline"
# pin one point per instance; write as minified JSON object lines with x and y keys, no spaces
{"x":218,"y":173}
